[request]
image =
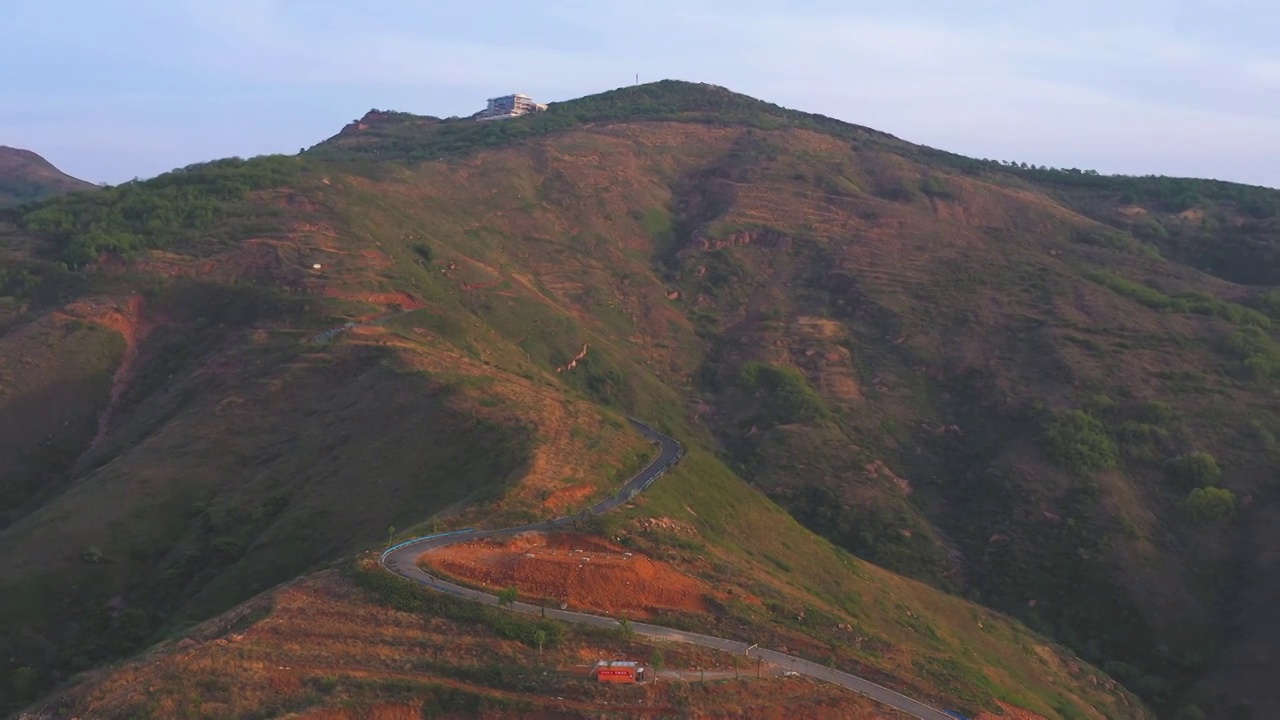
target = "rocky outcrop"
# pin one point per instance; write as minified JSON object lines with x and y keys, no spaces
{"x":582,"y":354}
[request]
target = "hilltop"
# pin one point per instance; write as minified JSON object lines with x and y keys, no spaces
{"x":1024,"y":417}
{"x":26,"y":177}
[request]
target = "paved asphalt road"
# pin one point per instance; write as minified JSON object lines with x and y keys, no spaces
{"x":400,"y":560}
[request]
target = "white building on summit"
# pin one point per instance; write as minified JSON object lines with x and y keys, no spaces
{"x":509,"y":106}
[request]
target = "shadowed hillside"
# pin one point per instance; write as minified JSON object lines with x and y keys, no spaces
{"x":27,"y":177}
{"x":1047,"y":392}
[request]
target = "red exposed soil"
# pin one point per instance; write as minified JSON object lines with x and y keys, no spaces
{"x":377,"y":712}
{"x":568,"y":498}
{"x":127,"y":320}
{"x":259,"y":260}
{"x":404,"y":300}
{"x":582,"y":572}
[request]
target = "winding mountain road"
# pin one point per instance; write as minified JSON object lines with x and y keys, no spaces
{"x":400,"y":559}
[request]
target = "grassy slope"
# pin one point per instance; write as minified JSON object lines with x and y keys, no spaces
{"x":778,"y":240}
{"x":925,"y":642}
{"x":914,"y":299}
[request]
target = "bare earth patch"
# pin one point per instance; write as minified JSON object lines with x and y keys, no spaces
{"x":579,"y":571}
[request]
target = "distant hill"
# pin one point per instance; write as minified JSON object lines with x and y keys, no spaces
{"x":25,"y":176}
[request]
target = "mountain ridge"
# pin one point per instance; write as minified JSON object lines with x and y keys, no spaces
{"x":27,"y":177}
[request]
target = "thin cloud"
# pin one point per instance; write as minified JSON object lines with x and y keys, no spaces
{"x":1266,"y":72}
{"x":1185,"y":88}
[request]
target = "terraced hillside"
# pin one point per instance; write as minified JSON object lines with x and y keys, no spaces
{"x":1044,"y":392}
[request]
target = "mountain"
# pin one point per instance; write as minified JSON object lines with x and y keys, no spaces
{"x":25,"y":176}
{"x":968,"y":427}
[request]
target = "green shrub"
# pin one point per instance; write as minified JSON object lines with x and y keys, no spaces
{"x":226,"y":549}
{"x":1140,"y":433}
{"x":1148,"y":296}
{"x":1211,"y":505}
{"x":1079,"y":442}
{"x":1271,"y":304}
{"x":1157,"y":412}
{"x":785,"y":393}
{"x":1190,"y":712}
{"x":1262,"y":367}
{"x":1195,"y":469}
{"x":1204,"y":304}
{"x":1141,"y":441}
{"x":1100,"y":404}
{"x":15,"y":282}
{"x":1149,"y":229}
{"x":1154,"y":689}
{"x":1111,"y":239}
{"x":874,"y":531}
{"x":1191,"y":302}
{"x":23,"y":682}
{"x":1258,"y":352}
{"x":935,"y":187}
{"x":1123,"y":672}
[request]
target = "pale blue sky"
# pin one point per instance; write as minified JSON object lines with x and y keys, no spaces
{"x":113,"y":90}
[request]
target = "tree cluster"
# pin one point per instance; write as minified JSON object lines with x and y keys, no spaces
{"x":179,"y":205}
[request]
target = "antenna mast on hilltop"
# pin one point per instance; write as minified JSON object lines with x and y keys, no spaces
{"x":637,"y":78}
